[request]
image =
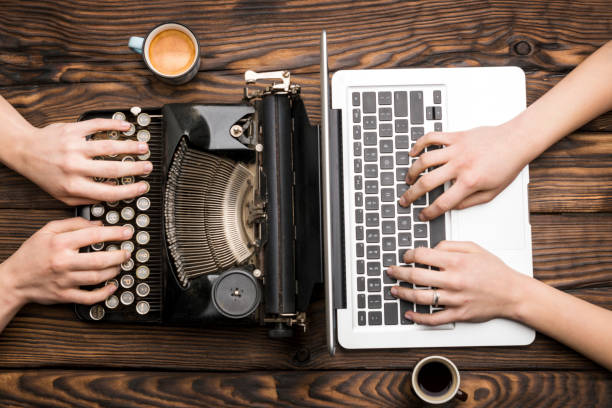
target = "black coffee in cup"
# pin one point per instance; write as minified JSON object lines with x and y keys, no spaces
{"x":435,"y":378}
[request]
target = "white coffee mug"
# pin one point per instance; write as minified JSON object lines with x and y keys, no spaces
{"x":435,"y":379}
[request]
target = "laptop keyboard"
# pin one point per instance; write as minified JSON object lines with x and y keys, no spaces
{"x":385,"y":125}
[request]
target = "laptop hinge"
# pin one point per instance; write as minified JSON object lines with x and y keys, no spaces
{"x":337,"y":208}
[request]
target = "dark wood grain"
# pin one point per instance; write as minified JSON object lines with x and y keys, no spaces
{"x":68,"y":388}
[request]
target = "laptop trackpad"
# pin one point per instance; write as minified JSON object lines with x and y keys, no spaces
{"x":499,"y":224}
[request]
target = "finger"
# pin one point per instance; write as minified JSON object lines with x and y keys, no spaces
{"x":87,"y":127}
{"x":110,"y":192}
{"x":116,"y":169}
{"x":92,"y":235}
{"x":89,"y":297}
{"x":458,"y":246}
{"x":426,"y":183}
{"x":70,"y":224}
{"x":434,"y":319}
{"x":96,"y":260}
{"x":426,"y":160}
{"x":111,"y":147}
{"x":425,"y":296}
{"x":84,"y":278}
{"x":476,"y":198}
{"x":431,"y":138}
{"x":429,"y":256}
{"x":446,"y":202}
{"x":418,"y":276}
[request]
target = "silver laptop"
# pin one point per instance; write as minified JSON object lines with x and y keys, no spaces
{"x":370,"y":123}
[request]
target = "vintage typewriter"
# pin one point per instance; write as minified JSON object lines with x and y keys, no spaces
{"x":230,"y":229}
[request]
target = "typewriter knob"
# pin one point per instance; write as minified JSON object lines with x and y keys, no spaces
{"x":236,"y":293}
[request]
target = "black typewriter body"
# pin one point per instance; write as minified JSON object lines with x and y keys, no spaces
{"x":234,"y":231}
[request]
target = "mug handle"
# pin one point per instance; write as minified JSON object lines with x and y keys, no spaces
{"x":461,"y":395}
{"x":136,"y":44}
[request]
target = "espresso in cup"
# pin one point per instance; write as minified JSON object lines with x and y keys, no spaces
{"x":171,"y":51}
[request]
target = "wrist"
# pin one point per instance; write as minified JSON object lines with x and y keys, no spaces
{"x":12,"y":298}
{"x":524,"y":292}
{"x":15,"y":144}
{"x":518,"y":133}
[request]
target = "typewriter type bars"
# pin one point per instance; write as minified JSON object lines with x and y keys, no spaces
{"x":139,"y":293}
{"x":205,"y":210}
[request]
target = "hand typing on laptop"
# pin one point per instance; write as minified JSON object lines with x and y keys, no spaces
{"x":471,"y":283}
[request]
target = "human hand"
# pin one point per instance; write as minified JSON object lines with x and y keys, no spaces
{"x":473,"y":284}
{"x":59,"y":159}
{"x":48,"y":267}
{"x":481,"y":162}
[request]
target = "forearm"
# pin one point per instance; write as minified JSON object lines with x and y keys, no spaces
{"x":10,"y":302}
{"x":584,"y":94}
{"x":574,"y":322}
{"x":14,"y":127}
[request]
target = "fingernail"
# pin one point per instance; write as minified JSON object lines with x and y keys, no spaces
{"x":125,"y":124}
{"x":127,"y":232}
{"x":403,"y":202}
{"x":390,"y":272}
{"x":142,"y":147}
{"x":394,"y":291}
{"x":143,"y":188}
{"x":408,"y":254}
{"x":148,"y":167}
{"x":422,"y":217}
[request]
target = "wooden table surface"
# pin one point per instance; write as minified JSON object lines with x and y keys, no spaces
{"x":59,"y":59}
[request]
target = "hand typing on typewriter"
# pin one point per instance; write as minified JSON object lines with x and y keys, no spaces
{"x":48,"y":267}
{"x":60,"y":160}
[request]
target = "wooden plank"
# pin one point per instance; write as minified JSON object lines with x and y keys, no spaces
{"x":67,"y":388}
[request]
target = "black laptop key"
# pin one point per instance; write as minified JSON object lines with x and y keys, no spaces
{"x":370,"y":154}
{"x":402,"y":158}
{"x":404,"y":239}
{"x":387,"y":210}
{"x":373,"y":268}
{"x":387,"y":279}
{"x":371,"y":170}
{"x":384,"y":98}
{"x":358,"y":182}
{"x":360,"y":267}
{"x":420,"y":244}
{"x":388,"y":227}
{"x":356,"y":132}
{"x":400,"y":255}
{"x":357,"y":166}
{"x":386,"y":178}
{"x":437,"y":113}
{"x":371,"y":203}
{"x":374,"y":285}
{"x":437,"y":97}
{"x":420,"y":230}
{"x":405,"y":307}
{"x":391,"y":314}
{"x":372,"y":236}
{"x":422,"y":200}
{"x":372,"y":252}
{"x":356,"y":99}
{"x":387,"y":195}
{"x":416,"y":132}
{"x":385,"y":129}
{"x":388,"y":244}
{"x":372,"y":220}
{"x":369,"y":122}
{"x":358,"y":199}
{"x":359,"y":233}
{"x":386,"y":145}
{"x":401,"y":173}
{"x":422,"y":309}
{"x":361,"y":284}
{"x":360,"y":250}
{"x":369,"y":102}
{"x":429,"y":113}
{"x":385,"y":114}
{"x":402,"y":210}
{"x":415,"y":213}
{"x":375,"y":318}
{"x":371,"y":186}
{"x":400,"y":102}
{"x":403,"y":223}
{"x":369,"y":138}
{"x":438,"y":126}
{"x":361,"y":318}
{"x":401,"y":189}
{"x":435,"y":193}
{"x":357,"y":148}
{"x":386,"y":162}
{"x":374,"y":302}
{"x":416,"y":107}
{"x":361,"y":301}
{"x":387,"y":293}
{"x":356,"y":116}
{"x":389,"y":259}
{"x":401,"y":125}
{"x":359,"y":216}
{"x":402,"y":142}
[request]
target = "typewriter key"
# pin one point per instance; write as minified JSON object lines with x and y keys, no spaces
{"x":142,"y":289}
{"x":130,"y":132}
{"x":125,"y":180}
{"x":130,"y":226}
{"x":127,"y":298}
{"x":135,"y":110}
{"x":112,"y":217}
{"x":96,"y":312}
{"x":143,"y":307}
{"x":143,"y":203}
{"x":112,"y":203}
{"x":144,"y":156}
{"x":128,"y":265}
{"x":113,"y":135}
{"x":127,"y":281}
{"x":128,"y":200}
{"x":127,"y":159}
{"x":97,"y":210}
{"x":142,"y":255}
{"x":128,"y":213}
{"x":98,"y":246}
{"x":119,"y":115}
{"x":127,"y":246}
{"x":143,"y":237}
{"x":142,"y":220}
{"x":112,"y":302}
{"x":143,"y":119}
{"x":112,"y":282}
{"x":148,"y":187}
{"x":99,"y":179}
{"x":112,"y":248}
{"x":142,"y":272}
{"x":143,"y":135}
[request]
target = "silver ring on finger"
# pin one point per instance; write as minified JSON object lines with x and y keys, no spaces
{"x":435,"y":298}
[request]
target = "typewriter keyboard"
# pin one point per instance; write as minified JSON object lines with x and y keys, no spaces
{"x":138,"y":297}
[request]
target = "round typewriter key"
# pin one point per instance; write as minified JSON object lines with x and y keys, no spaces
{"x":125,"y":180}
{"x":143,"y":203}
{"x":142,"y":272}
{"x":112,"y":203}
{"x":112,"y":217}
{"x":98,"y":246}
{"x":143,"y":307}
{"x":143,"y":119}
{"x":112,"y":248}
{"x":127,"y":298}
{"x":142,"y":289}
{"x":112,"y":135}
{"x":144,"y":156}
{"x":135,"y":110}
{"x":127,"y":281}
{"x":96,"y":312}
{"x":128,"y":213}
{"x":112,"y":282}
{"x":143,"y":237}
{"x":112,"y":302}
{"x":128,"y":265}
{"x":119,"y":116}
{"x":97,"y":210}
{"x":142,"y":220}
{"x":142,"y":255}
{"x":130,"y":132}
{"x":143,"y":135}
{"x":130,"y":226}
{"x":127,"y":246}
{"x":127,"y":159}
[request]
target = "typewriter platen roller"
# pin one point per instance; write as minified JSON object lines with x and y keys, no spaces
{"x":234,"y":231}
